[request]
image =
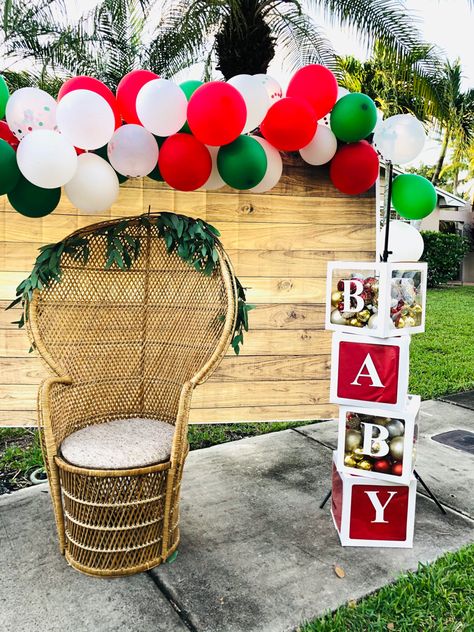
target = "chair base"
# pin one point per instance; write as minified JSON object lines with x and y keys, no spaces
{"x":119,"y":522}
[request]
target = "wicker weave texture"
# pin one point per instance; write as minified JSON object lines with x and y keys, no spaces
{"x":123,"y":344}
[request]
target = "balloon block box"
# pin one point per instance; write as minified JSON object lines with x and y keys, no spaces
{"x":367,"y":512}
{"x":378,"y":444}
{"x":376,"y":299}
{"x":370,"y":372}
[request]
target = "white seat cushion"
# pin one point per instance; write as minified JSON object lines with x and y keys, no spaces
{"x":119,"y":444}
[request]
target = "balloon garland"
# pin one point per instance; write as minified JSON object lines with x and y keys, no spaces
{"x":196,"y":135}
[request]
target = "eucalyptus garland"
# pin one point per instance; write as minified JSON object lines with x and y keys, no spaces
{"x":194,"y":240}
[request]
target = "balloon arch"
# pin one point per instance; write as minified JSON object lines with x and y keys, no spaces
{"x":197,"y":135}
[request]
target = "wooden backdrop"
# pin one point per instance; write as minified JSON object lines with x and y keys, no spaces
{"x":279,"y":243}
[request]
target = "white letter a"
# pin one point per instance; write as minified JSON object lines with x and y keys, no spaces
{"x":379,"y":508}
{"x":368,"y":363}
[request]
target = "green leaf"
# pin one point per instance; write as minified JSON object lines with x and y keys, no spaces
{"x":213,"y":230}
{"x":13,"y":303}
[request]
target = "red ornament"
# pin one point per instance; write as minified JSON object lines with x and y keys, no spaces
{"x":354,"y":168}
{"x":127,"y":92}
{"x":340,"y":285}
{"x":7,"y":135}
{"x":397,"y":469}
{"x":382,"y":465}
{"x":317,"y":85}
{"x":290,"y":124}
{"x":216,"y":113}
{"x":94,"y":85}
{"x":184,"y":163}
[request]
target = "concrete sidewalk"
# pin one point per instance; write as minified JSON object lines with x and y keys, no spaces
{"x":256,"y":553}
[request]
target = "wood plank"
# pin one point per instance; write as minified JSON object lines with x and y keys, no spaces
{"x":262,"y":413}
{"x":18,"y":396}
{"x":18,"y":418}
{"x":23,"y":370}
{"x":14,"y":344}
{"x":287,"y":316}
{"x":270,"y":368}
{"x":298,"y":342}
{"x":285,"y":290}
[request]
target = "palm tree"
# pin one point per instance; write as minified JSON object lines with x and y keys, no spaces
{"x":455,"y":117}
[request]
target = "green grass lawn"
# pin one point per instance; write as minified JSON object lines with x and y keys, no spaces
{"x":438,"y":598}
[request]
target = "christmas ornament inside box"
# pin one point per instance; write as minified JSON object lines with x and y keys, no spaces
{"x":377,"y":443}
{"x":378,"y":299}
{"x":367,"y":512}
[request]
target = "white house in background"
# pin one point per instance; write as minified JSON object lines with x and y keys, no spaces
{"x":449,"y":208}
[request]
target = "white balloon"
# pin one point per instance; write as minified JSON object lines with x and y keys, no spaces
{"x":256,"y":99}
{"x":341,"y":92}
{"x":274,"y":167}
{"x":400,"y":138}
{"x":29,"y":109}
{"x":273,"y":88}
{"x":404,"y":240}
{"x":214,"y":181}
{"x":46,"y":158}
{"x":325,"y":121}
{"x":95,"y":186}
{"x":133,"y":151}
{"x":322,"y":147}
{"x":86,"y":119}
{"x":161,"y":107}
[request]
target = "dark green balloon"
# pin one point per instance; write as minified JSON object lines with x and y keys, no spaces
{"x":413,"y":196}
{"x":155,"y":175}
{"x":353,"y":117}
{"x":4,"y":96}
{"x":9,"y":172}
{"x":189,"y":87}
{"x":102,"y":152}
{"x":33,"y":201}
{"x":242,"y":164}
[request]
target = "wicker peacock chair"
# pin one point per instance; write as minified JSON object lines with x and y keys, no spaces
{"x":127,"y":348}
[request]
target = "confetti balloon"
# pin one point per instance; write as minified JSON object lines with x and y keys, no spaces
{"x":271,"y":85}
{"x":29,"y":109}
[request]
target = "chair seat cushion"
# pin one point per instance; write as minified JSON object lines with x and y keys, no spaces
{"x":119,"y":444}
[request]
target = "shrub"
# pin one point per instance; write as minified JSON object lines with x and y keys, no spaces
{"x":444,"y":253}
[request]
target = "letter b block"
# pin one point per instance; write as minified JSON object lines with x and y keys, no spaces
{"x":367,"y":512}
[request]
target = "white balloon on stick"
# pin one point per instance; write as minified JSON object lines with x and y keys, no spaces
{"x":29,"y":109}
{"x":400,"y":138}
{"x":404,"y":240}
{"x":214,"y":181}
{"x":161,"y":107}
{"x":85,"y":119}
{"x":273,"y":88}
{"x":133,"y":151}
{"x":256,"y":99}
{"x":274,"y":167}
{"x":322,"y":147}
{"x":95,"y":186}
{"x":46,"y":159}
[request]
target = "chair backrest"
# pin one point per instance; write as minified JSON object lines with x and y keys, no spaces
{"x":129,"y":339}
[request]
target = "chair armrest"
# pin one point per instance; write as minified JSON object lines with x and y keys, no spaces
{"x":181,"y":429}
{"x":46,"y":417}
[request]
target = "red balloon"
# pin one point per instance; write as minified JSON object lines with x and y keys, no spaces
{"x":127,"y":92}
{"x":354,"y":168}
{"x":216,"y":113}
{"x":94,"y":85}
{"x":316,"y":85}
{"x":7,"y":135}
{"x":184,"y":162}
{"x":397,"y":469}
{"x":290,"y":124}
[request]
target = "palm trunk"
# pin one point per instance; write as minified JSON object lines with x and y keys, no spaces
{"x":442,"y":156}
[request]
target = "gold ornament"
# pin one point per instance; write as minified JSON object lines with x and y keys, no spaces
{"x":336,"y":298}
{"x":357,"y":454}
{"x":417,"y":308}
{"x":396,"y":448}
{"x":410,"y":321}
{"x":363,"y":316}
{"x":353,"y":440}
{"x":349,"y":461}
{"x":401,"y":323}
{"x":375,"y":447}
{"x":355,"y":322}
{"x":365,"y":464}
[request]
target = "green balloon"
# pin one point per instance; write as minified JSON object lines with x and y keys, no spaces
{"x":413,"y":196}
{"x":242,"y":164}
{"x":189,"y":87}
{"x":9,"y":172}
{"x":155,"y":175}
{"x":102,"y":152}
{"x":4,"y":96}
{"x":33,"y":201}
{"x":353,"y":117}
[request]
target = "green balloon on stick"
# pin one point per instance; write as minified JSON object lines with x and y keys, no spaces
{"x":353,"y":117}
{"x":242,"y":164}
{"x":9,"y":172}
{"x":4,"y":96}
{"x":33,"y":201}
{"x":189,"y":87}
{"x":413,"y":196}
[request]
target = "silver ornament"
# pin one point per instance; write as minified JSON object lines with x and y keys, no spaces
{"x":396,"y":448}
{"x":373,"y":320}
{"x":395,"y":428}
{"x":337,"y":318}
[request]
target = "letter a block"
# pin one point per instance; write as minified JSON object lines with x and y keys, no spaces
{"x":369,"y":371}
{"x":367,"y":512}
